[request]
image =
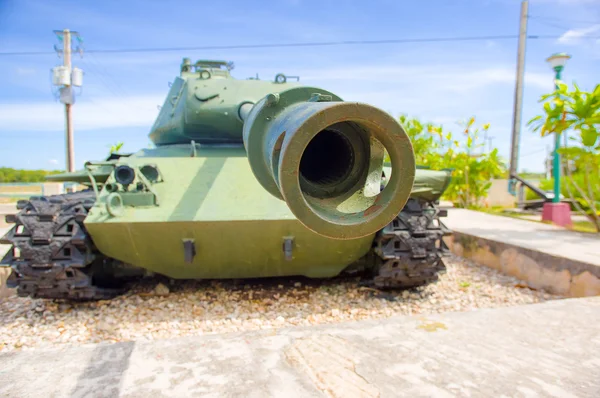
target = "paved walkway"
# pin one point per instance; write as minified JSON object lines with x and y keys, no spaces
{"x":539,"y":350}
{"x":3,"y":248}
{"x":532,"y":235}
{"x":8,"y":208}
{"x":4,"y":272}
{"x":538,"y":217}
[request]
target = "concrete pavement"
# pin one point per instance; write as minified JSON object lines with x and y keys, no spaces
{"x":540,"y":350}
{"x":3,"y":248}
{"x":547,"y":238}
{"x":545,"y":256}
{"x":8,"y":208}
{"x":4,"y":272}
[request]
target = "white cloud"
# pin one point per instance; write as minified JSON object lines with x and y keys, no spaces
{"x":53,"y":161}
{"x":484,"y":77}
{"x":102,"y":113}
{"x":453,"y":78}
{"x":455,"y":89}
{"x":572,"y":36}
{"x":25,"y":71}
{"x":568,"y":2}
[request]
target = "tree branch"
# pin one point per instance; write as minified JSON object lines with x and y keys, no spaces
{"x":594,"y":212}
{"x":592,"y":219}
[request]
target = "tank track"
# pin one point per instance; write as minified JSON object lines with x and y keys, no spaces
{"x":52,"y":256}
{"x":411,"y":248}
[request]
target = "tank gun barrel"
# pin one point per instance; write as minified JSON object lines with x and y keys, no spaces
{"x":324,"y":157}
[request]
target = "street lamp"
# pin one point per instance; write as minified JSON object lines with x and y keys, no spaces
{"x":559,"y":213}
{"x":557,"y":62}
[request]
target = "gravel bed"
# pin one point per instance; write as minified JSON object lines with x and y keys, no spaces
{"x":156,"y":309}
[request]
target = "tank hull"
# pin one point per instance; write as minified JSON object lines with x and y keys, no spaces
{"x":213,"y":201}
{"x":226,"y":249}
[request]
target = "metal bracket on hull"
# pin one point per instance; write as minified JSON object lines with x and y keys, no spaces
{"x":189,"y":250}
{"x":288,"y":247}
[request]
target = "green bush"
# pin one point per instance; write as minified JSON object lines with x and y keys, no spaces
{"x":473,"y":168}
{"x":8,"y":174}
{"x":548,"y":186}
{"x":578,"y":112}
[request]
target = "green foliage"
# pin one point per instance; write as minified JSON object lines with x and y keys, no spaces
{"x":569,"y":185}
{"x":532,"y":176}
{"x":12,"y":175}
{"x":116,"y":148}
{"x":544,"y":185}
{"x":578,"y":112}
{"x":473,"y":168}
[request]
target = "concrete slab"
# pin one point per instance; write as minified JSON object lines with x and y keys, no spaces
{"x":4,"y":272}
{"x":532,"y":235}
{"x":3,"y":248}
{"x":547,"y":350}
{"x":538,"y":217}
{"x":549,"y":257}
{"x":8,"y":208}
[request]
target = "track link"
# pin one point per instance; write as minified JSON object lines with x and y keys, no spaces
{"x":52,"y":256}
{"x":411,"y":248}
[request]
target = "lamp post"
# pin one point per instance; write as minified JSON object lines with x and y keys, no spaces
{"x":557,"y":62}
{"x":557,"y":212}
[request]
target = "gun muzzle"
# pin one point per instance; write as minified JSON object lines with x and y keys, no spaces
{"x":324,"y":157}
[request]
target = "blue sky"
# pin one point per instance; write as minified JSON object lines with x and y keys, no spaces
{"x":438,"y":82}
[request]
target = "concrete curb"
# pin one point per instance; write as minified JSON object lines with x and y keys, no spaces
{"x":558,"y":275}
{"x":4,"y":272}
{"x":4,"y":291}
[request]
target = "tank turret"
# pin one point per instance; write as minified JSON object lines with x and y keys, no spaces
{"x":207,"y":105}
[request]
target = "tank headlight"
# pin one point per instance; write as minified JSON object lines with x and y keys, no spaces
{"x":150,"y":172}
{"x":124,"y":175}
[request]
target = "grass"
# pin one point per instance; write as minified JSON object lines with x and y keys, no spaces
{"x":584,"y":226}
{"x":9,"y":200}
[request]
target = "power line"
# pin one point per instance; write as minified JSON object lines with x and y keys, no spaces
{"x":534,"y":152}
{"x":304,"y":44}
{"x":104,"y":76}
{"x":560,"y":20}
{"x":550,"y":24}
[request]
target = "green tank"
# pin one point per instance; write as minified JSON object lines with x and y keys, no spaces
{"x":247,"y":179}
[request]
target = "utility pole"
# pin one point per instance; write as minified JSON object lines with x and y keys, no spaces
{"x":69,"y":119}
{"x":67,"y":77}
{"x":518,"y":103}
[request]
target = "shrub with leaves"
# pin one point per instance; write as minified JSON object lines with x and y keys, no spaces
{"x":473,"y":167}
{"x":116,"y":147}
{"x":578,"y":112}
{"x":8,"y":174}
